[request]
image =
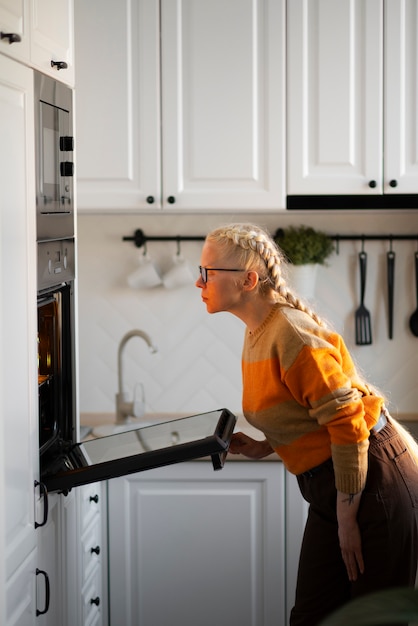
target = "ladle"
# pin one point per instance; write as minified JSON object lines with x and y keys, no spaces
{"x":413,"y":320}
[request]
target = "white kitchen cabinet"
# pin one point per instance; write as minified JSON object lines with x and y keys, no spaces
{"x":14,"y":20}
{"x":193,"y":120}
{"x":352,"y":82}
{"x":20,"y":591}
{"x":93,"y":554}
{"x":18,"y":361}
{"x":46,"y":32}
{"x":188,"y":546}
{"x":52,"y":38}
{"x":50,"y":561}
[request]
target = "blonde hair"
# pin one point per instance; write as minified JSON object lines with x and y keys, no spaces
{"x":255,"y":249}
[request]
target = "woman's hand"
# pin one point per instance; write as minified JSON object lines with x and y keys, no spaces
{"x":253,"y":449}
{"x":349,"y":533}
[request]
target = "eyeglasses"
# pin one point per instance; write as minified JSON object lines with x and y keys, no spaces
{"x":204,"y":271}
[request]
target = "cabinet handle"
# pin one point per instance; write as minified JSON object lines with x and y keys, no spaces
{"x":393,"y":183}
{"x":95,"y":550}
{"x":171,"y":199}
{"x":372,"y":184}
{"x":44,"y":494}
{"x":150,"y":200}
{"x":60,"y":65}
{"x":47,"y":592}
{"x":94,"y":498}
{"x":95,"y":601}
{"x":12,"y":37}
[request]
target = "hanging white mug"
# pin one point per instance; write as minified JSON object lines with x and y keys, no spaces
{"x":180,"y":274}
{"x":146,"y":276}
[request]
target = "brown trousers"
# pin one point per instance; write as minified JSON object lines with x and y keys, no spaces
{"x":388,"y":519}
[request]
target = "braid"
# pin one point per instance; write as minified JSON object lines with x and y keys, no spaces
{"x":259,"y":251}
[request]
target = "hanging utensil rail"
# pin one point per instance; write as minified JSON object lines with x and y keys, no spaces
{"x":140,"y":238}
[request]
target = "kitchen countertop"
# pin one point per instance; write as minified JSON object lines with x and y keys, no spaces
{"x":95,"y":420}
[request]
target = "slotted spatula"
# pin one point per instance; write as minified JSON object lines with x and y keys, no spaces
{"x":362,"y":316}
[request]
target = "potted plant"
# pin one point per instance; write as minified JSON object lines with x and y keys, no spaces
{"x":304,"y":244}
{"x":305,"y":248}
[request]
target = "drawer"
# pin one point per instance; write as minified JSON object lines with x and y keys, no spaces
{"x":91,"y":549}
{"x":90,"y":505}
{"x":92,"y":599}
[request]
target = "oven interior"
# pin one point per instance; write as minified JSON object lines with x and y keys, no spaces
{"x":55,"y":372}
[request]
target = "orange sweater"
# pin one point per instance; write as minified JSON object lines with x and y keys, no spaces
{"x":301,"y":389}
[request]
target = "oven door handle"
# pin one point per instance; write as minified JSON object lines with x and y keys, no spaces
{"x":44,"y":494}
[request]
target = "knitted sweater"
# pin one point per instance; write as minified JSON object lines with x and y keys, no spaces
{"x":301,"y":389}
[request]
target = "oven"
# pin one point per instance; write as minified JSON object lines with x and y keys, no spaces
{"x":56,"y":348}
{"x":55,"y":229}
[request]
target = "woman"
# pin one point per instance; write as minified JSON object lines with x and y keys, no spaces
{"x":355,"y":465}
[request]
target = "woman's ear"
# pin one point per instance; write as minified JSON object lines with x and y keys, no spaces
{"x":250,"y":280}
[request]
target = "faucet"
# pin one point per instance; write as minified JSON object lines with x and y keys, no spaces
{"x":125,"y":408}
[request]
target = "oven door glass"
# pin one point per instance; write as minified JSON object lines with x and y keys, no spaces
{"x":185,"y":439}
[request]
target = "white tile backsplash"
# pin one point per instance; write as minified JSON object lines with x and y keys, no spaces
{"x":197,"y":366}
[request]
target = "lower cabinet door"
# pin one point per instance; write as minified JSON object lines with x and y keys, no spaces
{"x":50,"y":562}
{"x":189,"y":546}
{"x":21,"y":593}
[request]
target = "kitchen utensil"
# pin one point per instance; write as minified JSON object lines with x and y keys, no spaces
{"x":413,"y":320}
{"x":362,"y":315}
{"x":390,"y":262}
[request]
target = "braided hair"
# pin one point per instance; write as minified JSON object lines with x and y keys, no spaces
{"x":255,"y":249}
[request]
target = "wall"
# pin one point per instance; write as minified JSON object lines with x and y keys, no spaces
{"x":197,"y":367}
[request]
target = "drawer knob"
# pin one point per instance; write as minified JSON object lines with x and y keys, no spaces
{"x":60,"y":65}
{"x":95,"y":601}
{"x":95,"y":550}
{"x":12,"y":37}
{"x":94,"y":498}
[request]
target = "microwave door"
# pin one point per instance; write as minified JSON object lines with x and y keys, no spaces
{"x":49,"y":184}
{"x":186,"y":439}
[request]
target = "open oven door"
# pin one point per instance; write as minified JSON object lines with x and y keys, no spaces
{"x":144,"y":448}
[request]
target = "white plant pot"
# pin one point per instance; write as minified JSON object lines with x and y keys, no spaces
{"x":302,"y":279}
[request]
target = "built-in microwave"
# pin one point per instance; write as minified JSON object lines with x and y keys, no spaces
{"x":54,"y":144}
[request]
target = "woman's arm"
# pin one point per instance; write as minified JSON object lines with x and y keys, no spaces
{"x":349,"y":533}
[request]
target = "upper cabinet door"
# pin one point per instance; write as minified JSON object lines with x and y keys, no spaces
{"x":193,"y":120}
{"x":118,"y":104}
{"x":52,"y":38}
{"x":401,"y":97}
{"x":335,"y":96}
{"x":14,"y":22}
{"x":223,"y":137}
